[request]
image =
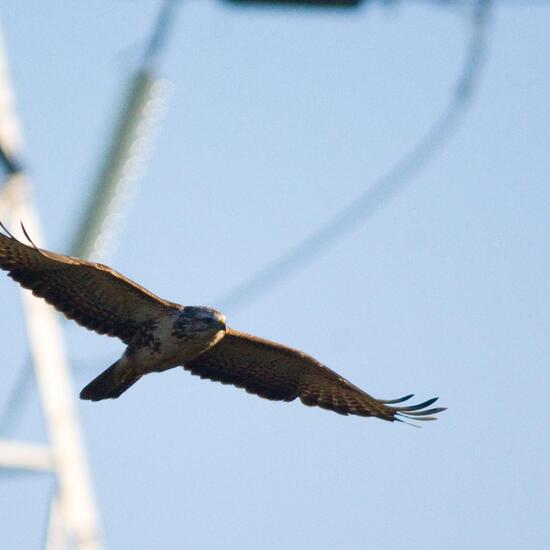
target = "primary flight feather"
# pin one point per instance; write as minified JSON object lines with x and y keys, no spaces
{"x":161,"y":335}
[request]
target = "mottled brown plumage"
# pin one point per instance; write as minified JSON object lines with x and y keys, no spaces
{"x":162,"y":335}
{"x":280,"y":373}
{"x":94,"y":295}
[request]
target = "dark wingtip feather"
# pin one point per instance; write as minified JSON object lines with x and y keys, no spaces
{"x":425,"y":412}
{"x":397,"y":419}
{"x":419,"y":406}
{"x":400,"y":400}
{"x":416,"y":412}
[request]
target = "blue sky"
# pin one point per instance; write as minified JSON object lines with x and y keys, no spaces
{"x":279,"y":119}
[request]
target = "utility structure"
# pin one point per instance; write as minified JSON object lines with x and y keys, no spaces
{"x":73,"y":514}
{"x":142,"y":109}
{"x":74,"y":520}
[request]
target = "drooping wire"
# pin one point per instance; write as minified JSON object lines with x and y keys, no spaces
{"x":161,"y":31}
{"x":143,"y":108}
{"x":387,"y":187}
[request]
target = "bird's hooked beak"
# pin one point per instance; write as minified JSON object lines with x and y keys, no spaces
{"x":221,"y":321}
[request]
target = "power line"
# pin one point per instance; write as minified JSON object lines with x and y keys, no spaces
{"x":73,"y":508}
{"x":128,"y":151}
{"x":386,"y":188}
{"x":161,"y":32}
{"x":143,"y":94}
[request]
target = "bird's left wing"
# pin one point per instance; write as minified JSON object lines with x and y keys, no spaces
{"x":280,"y":373}
{"x":92,"y":294}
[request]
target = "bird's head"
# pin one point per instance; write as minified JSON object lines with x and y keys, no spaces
{"x":204,"y":319}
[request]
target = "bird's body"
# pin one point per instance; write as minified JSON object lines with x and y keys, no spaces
{"x":160,"y":344}
{"x":161,"y":335}
{"x":174,"y":339}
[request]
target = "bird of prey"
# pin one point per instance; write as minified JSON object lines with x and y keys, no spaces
{"x":161,"y":335}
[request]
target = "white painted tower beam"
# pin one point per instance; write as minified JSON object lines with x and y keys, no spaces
{"x":74,"y":506}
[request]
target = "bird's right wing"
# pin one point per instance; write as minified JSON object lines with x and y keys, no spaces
{"x":92,"y":294}
{"x":280,"y":373}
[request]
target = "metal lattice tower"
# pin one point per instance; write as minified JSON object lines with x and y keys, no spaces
{"x":73,"y":516}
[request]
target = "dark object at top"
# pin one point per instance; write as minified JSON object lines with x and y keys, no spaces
{"x":303,"y":3}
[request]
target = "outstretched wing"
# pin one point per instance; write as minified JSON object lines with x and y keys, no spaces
{"x":280,"y":373}
{"x":94,"y":295}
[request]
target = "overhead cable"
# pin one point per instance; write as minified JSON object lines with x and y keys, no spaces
{"x":382,"y":191}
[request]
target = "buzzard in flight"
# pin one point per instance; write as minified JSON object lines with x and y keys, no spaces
{"x":161,"y":335}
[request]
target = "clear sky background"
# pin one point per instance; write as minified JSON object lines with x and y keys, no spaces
{"x":279,"y":119}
